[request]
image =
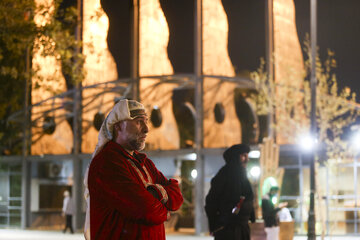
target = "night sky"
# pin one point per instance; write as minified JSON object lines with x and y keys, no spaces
{"x":338,"y":30}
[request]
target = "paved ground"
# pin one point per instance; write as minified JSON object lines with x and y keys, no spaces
{"x":8,"y":234}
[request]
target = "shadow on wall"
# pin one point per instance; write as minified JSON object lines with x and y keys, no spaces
{"x":246,"y":37}
{"x":119,"y":34}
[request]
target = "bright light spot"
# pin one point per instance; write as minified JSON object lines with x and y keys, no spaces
{"x":255,"y":172}
{"x":194,"y":173}
{"x":156,"y":107}
{"x":190,"y":156}
{"x":272,"y":181}
{"x":104,"y":20}
{"x":274,"y":200}
{"x":95,"y":29}
{"x":307,"y":142}
{"x":254,"y":154}
{"x":355,"y":141}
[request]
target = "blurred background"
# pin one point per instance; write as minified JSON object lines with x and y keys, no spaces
{"x":210,"y":73}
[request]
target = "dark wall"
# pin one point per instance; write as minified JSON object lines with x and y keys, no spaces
{"x":246,"y":37}
{"x":70,"y":26}
{"x":180,"y":18}
{"x":183,"y":108}
{"x":119,"y":34}
{"x":246,"y":44}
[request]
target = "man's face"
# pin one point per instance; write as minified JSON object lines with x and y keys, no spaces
{"x":244,"y":159}
{"x":133,"y":133}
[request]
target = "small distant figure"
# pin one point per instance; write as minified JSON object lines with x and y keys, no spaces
{"x":68,"y":211}
{"x":270,"y":214}
{"x":229,"y":203}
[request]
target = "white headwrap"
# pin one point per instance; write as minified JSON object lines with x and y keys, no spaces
{"x":123,"y":110}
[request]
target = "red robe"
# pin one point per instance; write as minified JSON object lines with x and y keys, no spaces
{"x":120,"y":205}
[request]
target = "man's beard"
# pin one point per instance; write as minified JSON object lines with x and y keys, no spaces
{"x":136,"y":143}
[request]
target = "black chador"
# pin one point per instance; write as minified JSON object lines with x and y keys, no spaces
{"x":227,"y":187}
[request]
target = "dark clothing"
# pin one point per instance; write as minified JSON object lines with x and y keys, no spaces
{"x":226,"y":188}
{"x":269,"y":212}
{"x":68,"y":223}
{"x":240,"y":231}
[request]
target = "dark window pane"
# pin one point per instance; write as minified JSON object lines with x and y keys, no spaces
{"x":15,"y":168}
{"x":3,"y":220}
{"x":15,"y":221}
{"x":3,"y":167}
{"x":15,"y":203}
{"x":15,"y":185}
{"x":286,"y":160}
{"x":290,"y":183}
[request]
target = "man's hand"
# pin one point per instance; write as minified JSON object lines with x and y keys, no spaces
{"x":153,"y":192}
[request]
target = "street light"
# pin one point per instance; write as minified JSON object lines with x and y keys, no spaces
{"x":313,"y":83}
{"x":194,"y":173}
{"x":255,"y":172}
{"x":355,"y":141}
{"x":254,"y":154}
{"x":307,"y":143}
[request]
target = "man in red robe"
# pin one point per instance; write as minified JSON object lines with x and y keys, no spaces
{"x":130,"y":198}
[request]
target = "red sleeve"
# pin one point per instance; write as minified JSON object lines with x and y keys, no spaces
{"x":175,"y":197}
{"x":171,"y":186}
{"x":115,"y":183}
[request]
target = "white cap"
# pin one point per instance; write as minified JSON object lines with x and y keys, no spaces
{"x":123,"y":110}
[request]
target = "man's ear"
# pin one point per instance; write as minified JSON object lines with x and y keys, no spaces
{"x":117,"y":126}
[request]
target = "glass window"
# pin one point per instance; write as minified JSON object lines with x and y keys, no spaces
{"x":3,"y":219}
{"x":4,"y":189}
{"x":3,"y":167}
{"x":290,"y":183}
{"x":15,"y":217}
{"x":15,"y":185}
{"x":15,"y":168}
{"x":288,"y":160}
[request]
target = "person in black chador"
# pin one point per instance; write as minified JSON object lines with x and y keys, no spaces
{"x":231,"y":189}
{"x":269,"y":213}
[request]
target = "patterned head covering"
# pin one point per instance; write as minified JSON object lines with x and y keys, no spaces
{"x":123,"y":110}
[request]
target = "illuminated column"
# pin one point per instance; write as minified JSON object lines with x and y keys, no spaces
{"x":154,"y":61}
{"x":288,"y":69}
{"x":313,"y":127}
